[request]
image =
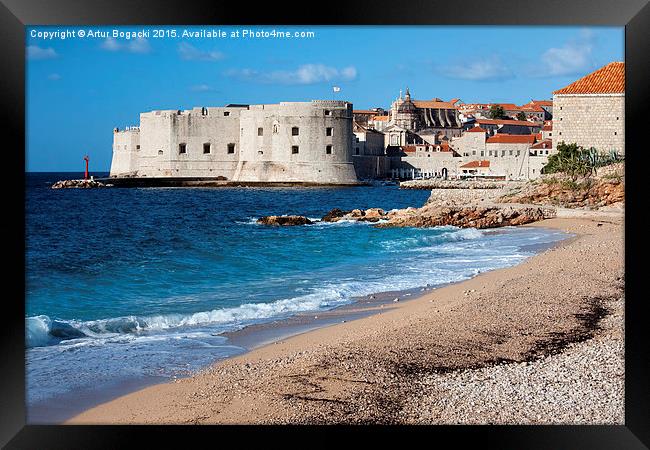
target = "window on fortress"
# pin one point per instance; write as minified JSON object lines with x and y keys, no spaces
{"x":182,"y":148}
{"x":328,"y":131}
{"x":328,"y":149}
{"x":137,"y":147}
{"x":294,"y":149}
{"x":294,"y":131}
{"x":260,"y":131}
{"x":231,"y":148}
{"x":503,"y":153}
{"x":207,"y":147}
{"x":328,"y":112}
{"x":482,"y":153}
{"x":226,"y":113}
{"x":510,"y":153}
{"x":160,"y":152}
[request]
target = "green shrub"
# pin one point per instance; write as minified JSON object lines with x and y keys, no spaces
{"x":576,"y":161}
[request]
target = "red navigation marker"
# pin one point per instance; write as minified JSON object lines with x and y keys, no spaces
{"x":86,"y":174}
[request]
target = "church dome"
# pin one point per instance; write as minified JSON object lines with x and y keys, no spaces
{"x":407,"y":106}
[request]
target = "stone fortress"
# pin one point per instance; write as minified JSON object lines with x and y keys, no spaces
{"x":327,"y":142}
{"x":289,"y":142}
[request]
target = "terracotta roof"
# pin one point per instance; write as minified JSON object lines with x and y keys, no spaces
{"x":433,"y":104}
{"x":511,"y":139}
{"x":538,"y":136}
{"x":524,"y":123}
{"x":535,"y":108}
{"x":408,"y":148}
{"x":471,"y":164}
{"x":609,"y":79}
{"x":542,"y":102}
{"x":546,"y":143}
{"x":380,"y":118}
{"x":508,"y":106}
{"x":476,"y":130}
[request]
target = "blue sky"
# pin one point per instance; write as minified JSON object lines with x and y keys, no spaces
{"x":79,"y":89}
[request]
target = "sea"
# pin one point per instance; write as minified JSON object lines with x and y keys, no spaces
{"x":125,"y":285}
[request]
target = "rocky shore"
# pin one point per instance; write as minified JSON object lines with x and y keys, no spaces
{"x":80,"y":184}
{"x":430,"y":215}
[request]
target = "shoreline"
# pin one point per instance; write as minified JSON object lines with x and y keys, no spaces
{"x":272,"y":361}
{"x":63,"y":407}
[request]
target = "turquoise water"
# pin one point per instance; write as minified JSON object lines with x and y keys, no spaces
{"x":129,"y":283}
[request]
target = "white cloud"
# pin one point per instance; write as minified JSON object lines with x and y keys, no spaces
{"x":573,"y":58}
{"x":139,"y":45}
{"x":478,"y":69}
{"x":305,"y":74}
{"x":36,"y":52}
{"x":111,"y":45}
{"x":189,"y":52}
{"x":54,"y":77}
{"x":201,"y":88}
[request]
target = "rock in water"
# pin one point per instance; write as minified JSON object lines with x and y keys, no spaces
{"x":284,"y":221}
{"x":83,"y":184}
{"x":334,"y":215}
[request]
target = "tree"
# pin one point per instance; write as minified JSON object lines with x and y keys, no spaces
{"x":496,"y":112}
{"x":521,"y":115}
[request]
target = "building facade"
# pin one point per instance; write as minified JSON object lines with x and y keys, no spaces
{"x":590,"y":112}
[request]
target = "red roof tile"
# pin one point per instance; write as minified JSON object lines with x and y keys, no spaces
{"x":511,"y":139}
{"x":476,"y":130}
{"x":609,"y":79}
{"x":546,"y":143}
{"x":433,"y":104}
{"x":471,"y":164}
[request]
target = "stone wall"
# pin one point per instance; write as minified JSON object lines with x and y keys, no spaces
{"x":590,"y":121}
{"x":126,"y":150}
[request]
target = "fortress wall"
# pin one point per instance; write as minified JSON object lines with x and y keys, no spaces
{"x":430,"y":165}
{"x":270,"y":157}
{"x":265,"y":158}
{"x":125,"y":152}
{"x":368,"y":166}
{"x":166,"y":130}
{"x":590,"y":121}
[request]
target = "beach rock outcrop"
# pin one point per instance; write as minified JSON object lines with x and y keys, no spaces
{"x":466,"y":217}
{"x":606,"y":188}
{"x":284,"y":221}
{"x":83,"y":184}
{"x":433,"y":215}
{"x":359,"y":215}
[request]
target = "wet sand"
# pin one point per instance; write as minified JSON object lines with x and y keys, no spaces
{"x":435,"y":358}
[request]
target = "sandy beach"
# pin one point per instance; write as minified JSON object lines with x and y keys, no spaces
{"x":537,"y":343}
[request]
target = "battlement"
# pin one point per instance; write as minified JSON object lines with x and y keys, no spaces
{"x":131,"y":129}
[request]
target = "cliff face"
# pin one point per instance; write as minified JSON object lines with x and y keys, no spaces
{"x":607,"y":187}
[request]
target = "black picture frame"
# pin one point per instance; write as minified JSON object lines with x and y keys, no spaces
{"x":634,"y":15}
